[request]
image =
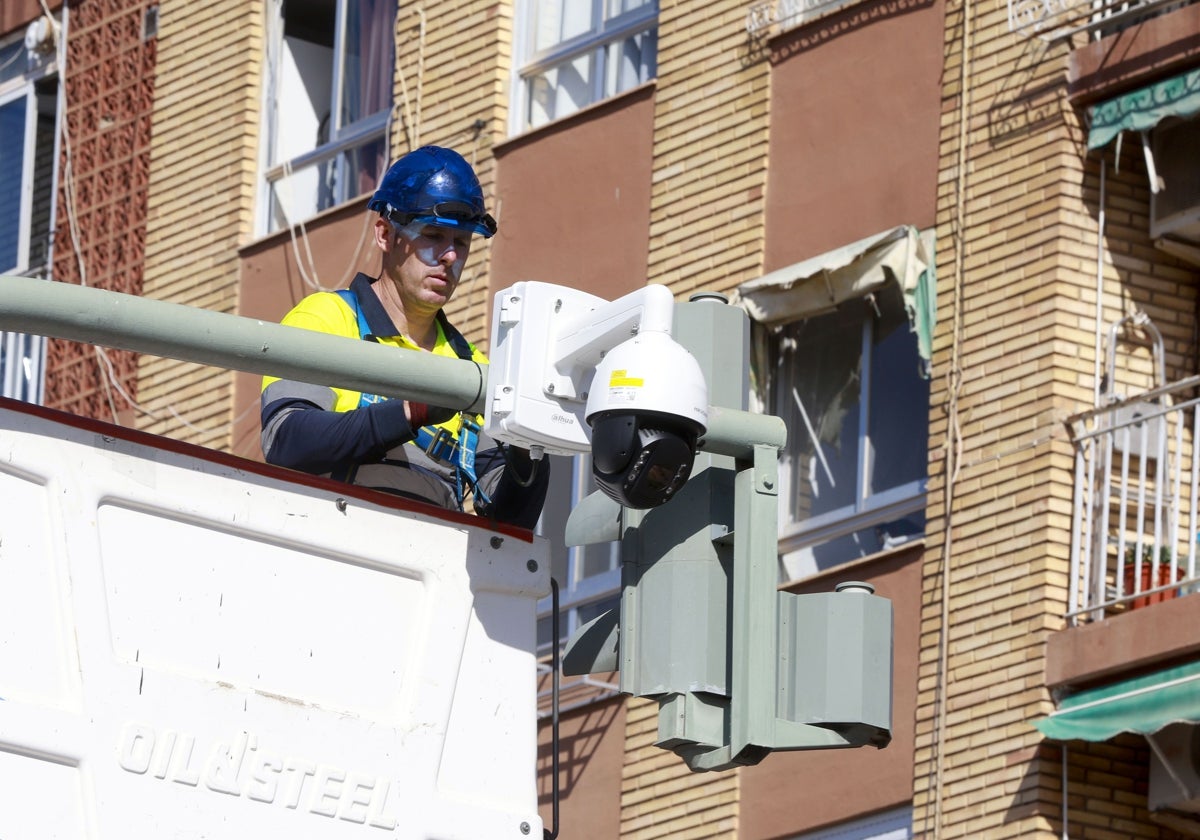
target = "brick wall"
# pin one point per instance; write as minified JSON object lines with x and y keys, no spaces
{"x":710,"y":149}
{"x":453,"y":60}
{"x":660,"y":797}
{"x":997,"y":447}
{"x":1015,"y":354}
{"x":706,"y":232}
{"x":1106,"y":789}
{"x":104,"y":162}
{"x":203,"y":179}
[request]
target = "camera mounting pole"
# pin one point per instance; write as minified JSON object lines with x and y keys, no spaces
{"x":738,"y":668}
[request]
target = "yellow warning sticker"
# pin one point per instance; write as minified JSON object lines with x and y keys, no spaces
{"x":621,"y":379}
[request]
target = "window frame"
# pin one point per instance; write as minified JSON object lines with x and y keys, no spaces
{"x":604,"y":32}
{"x":578,"y":591}
{"x":23,"y":356}
{"x":343,"y":139}
{"x":24,"y":85}
{"x":893,"y":824}
{"x":23,"y":91}
{"x":895,"y":262}
{"x":869,"y":508}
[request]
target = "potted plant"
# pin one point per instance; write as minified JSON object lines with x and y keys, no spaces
{"x":1155,"y":570}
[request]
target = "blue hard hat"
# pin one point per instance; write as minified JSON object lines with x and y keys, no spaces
{"x":436,"y":186}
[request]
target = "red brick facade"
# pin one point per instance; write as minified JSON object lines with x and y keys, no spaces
{"x":104,"y":167}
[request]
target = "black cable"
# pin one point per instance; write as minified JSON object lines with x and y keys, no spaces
{"x":512,"y":470}
{"x":552,"y":833}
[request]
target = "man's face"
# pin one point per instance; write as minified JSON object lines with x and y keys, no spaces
{"x":427,"y":261}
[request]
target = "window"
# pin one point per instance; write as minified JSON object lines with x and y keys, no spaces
{"x":850,"y":387}
{"x":842,"y":344}
{"x":589,"y":577}
{"x":888,"y":825}
{"x":577,"y":52}
{"x":1163,"y":114}
{"x":28,"y":132}
{"x":329,"y":96}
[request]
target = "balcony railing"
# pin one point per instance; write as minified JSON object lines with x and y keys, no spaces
{"x":1135,"y":523}
{"x":1053,"y":20}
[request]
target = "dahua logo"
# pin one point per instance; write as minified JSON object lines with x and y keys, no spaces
{"x":566,"y":419}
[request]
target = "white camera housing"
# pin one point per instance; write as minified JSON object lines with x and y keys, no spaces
{"x":562,"y":360}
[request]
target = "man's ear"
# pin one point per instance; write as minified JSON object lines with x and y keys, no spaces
{"x":383,"y":235}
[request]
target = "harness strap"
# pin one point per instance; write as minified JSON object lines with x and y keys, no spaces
{"x":439,"y":444}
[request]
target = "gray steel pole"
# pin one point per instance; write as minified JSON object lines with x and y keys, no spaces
{"x":175,"y":331}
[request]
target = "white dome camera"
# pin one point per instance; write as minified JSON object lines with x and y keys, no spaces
{"x":647,"y":408}
{"x":567,"y":377}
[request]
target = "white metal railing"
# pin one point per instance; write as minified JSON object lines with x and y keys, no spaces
{"x":1134,"y":523}
{"x":22,"y":366}
{"x":1054,"y":20}
{"x":775,"y":16}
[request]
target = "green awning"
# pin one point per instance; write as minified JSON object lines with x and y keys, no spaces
{"x":1141,"y":110}
{"x":1144,"y":704}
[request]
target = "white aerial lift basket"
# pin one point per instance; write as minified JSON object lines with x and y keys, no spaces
{"x":196,"y":646}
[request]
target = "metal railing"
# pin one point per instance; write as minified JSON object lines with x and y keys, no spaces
{"x":22,"y":362}
{"x":1054,"y":20}
{"x":1134,"y":520}
{"x":774,"y":16}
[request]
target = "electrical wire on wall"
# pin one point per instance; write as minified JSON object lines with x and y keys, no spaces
{"x":476,"y":129}
{"x":297,"y":231}
{"x":108,"y":375}
{"x":953,"y":442}
{"x":300,"y":241}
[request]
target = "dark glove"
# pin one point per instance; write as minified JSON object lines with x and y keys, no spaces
{"x":421,"y":414}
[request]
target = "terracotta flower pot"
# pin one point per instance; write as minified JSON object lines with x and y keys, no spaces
{"x":1152,"y":575}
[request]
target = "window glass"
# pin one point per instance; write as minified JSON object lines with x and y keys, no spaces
{"x":367,"y":59}
{"x":22,"y":360}
{"x":561,"y":90}
{"x":578,"y":52}
{"x":817,"y":395}
{"x":589,"y":577}
{"x":41,"y":203}
{"x":620,"y":7}
{"x":631,"y":61}
{"x":330,"y":93}
{"x":900,"y":403}
{"x":28,"y":131}
{"x":849,"y":387}
{"x":12,"y":168}
{"x":561,"y":20}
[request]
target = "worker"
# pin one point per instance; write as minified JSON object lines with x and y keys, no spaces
{"x":429,"y":207}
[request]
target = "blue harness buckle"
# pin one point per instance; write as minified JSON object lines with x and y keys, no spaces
{"x":459,"y":453}
{"x":438,"y":444}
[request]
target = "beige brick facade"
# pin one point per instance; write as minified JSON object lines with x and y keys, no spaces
{"x":998,"y":351}
{"x":452,"y":78}
{"x":1018,"y":344}
{"x":1016,"y":353}
{"x":710,"y":150}
{"x":660,"y":797}
{"x":201,"y":197}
